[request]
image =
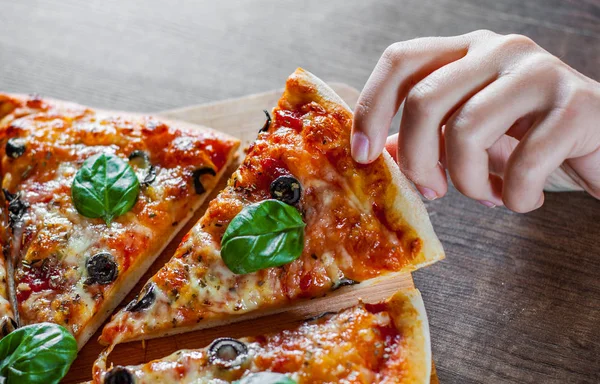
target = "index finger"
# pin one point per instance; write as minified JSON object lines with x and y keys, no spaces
{"x":401,"y":66}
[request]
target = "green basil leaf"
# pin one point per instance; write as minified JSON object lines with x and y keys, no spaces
{"x":105,"y":186}
{"x":39,"y":353}
{"x":263,"y":235}
{"x":266,"y":378}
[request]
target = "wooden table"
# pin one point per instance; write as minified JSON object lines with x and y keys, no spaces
{"x":518,"y":298}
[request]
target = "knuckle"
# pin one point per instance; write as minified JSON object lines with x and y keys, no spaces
{"x":362,"y":108}
{"x":462,"y":127}
{"x":515,"y":44}
{"x":572,"y":98}
{"x":482,"y":34}
{"x":420,"y":97}
{"x":545,"y":65}
{"x":394,"y":53}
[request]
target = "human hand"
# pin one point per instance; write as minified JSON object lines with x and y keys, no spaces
{"x":500,"y":113}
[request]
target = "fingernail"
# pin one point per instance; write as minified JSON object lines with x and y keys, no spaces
{"x":427,"y":193}
{"x":488,"y":204}
{"x":360,"y":147}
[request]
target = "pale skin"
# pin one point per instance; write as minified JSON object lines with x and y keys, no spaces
{"x":499,"y":114}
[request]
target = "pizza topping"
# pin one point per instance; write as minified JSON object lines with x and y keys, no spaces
{"x":227,"y":352}
{"x":15,"y":148}
{"x":266,"y":378}
{"x":290,"y":119}
{"x":343,"y":282}
{"x":102,"y":269}
{"x":119,"y":375}
{"x":148,"y":296}
{"x":38,"y":353}
{"x":7,"y":325}
{"x":286,"y":189}
{"x":198,"y":173}
{"x":16,"y":207}
{"x":106,"y":187}
{"x":141,"y":160}
{"x":263,"y":235}
{"x":267,"y":124}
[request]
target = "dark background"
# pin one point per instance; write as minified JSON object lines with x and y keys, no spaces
{"x":518,"y":298}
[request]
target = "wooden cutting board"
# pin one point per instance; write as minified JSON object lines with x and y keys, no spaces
{"x":242,"y":118}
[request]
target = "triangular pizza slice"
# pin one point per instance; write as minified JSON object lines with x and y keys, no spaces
{"x":94,"y":197}
{"x":298,"y":219}
{"x":386,"y":342}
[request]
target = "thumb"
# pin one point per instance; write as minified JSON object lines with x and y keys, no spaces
{"x":391,"y":145}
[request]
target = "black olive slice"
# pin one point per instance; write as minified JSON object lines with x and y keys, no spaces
{"x":119,"y":375}
{"x":7,"y":325}
{"x":320,"y":316}
{"x":343,"y":282}
{"x":286,"y":189}
{"x":198,"y":187}
{"x":144,"y":300}
{"x":142,"y":160}
{"x":227,"y":352}
{"x":15,"y":147}
{"x":16,"y":207}
{"x":267,"y":124}
{"x":102,"y":269}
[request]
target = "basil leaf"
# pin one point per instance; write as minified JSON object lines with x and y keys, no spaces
{"x":105,"y":186}
{"x":266,"y":378}
{"x":39,"y":353}
{"x":263,"y":235}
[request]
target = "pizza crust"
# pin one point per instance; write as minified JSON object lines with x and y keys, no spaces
{"x":408,"y":312}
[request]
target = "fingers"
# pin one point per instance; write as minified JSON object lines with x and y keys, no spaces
{"x":540,"y":152}
{"x":569,"y":131}
{"x":479,"y":124}
{"x":400,"y":66}
{"x":427,"y":106}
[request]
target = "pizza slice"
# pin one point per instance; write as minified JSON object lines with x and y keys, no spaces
{"x":386,"y":342}
{"x":93,"y":198}
{"x":298,"y":219}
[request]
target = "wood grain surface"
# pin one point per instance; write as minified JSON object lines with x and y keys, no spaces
{"x":518,"y":298}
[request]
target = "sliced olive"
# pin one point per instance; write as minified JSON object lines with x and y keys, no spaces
{"x":119,"y":375}
{"x":144,"y":300}
{"x":320,"y":316}
{"x":141,"y":160}
{"x":227,"y":352}
{"x":102,"y":269}
{"x":16,"y":207}
{"x":343,"y":282}
{"x":286,"y":189}
{"x":7,"y":325}
{"x":267,"y":124}
{"x":15,"y":147}
{"x":198,"y":187}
